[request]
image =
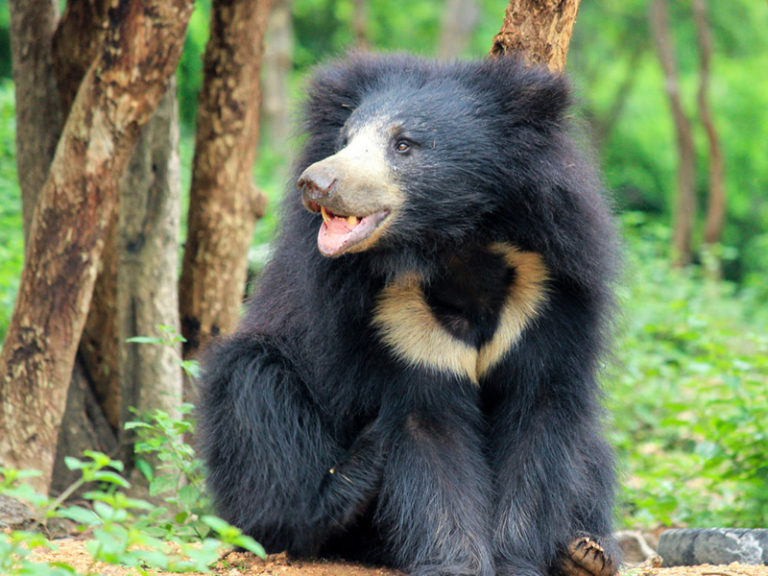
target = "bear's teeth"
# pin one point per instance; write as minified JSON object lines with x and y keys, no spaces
{"x":326,"y":216}
{"x":352,"y":221}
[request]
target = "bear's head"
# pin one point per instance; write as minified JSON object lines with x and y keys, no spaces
{"x":404,"y":152}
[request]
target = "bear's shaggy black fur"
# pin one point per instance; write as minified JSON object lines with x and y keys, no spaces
{"x":415,"y":380}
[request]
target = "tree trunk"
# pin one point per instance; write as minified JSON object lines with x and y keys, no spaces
{"x":278,"y":57}
{"x":148,"y":246}
{"x":116,"y":98}
{"x":713,"y":228}
{"x":83,"y":425}
{"x":38,"y":112}
{"x":685,"y":208}
{"x":360,"y":24}
{"x":143,"y":276}
{"x":460,"y":18}
{"x":539,"y":30}
{"x":77,"y":42}
{"x":224,"y":203}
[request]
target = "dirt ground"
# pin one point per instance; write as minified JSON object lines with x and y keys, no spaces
{"x":244,"y":564}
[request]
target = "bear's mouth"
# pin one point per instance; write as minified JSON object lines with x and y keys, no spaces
{"x":341,"y":233}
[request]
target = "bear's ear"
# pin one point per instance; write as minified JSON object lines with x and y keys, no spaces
{"x":336,"y":90}
{"x":531,"y":96}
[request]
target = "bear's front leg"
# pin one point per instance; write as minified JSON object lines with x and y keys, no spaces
{"x":353,"y":483}
{"x":433,"y":507}
{"x":266,"y":444}
{"x":554,"y":476}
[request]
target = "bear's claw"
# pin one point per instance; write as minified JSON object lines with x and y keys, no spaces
{"x":586,"y":557}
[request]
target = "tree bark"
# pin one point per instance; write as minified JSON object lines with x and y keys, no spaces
{"x":713,"y":228}
{"x":224,"y":203}
{"x":76,"y":44}
{"x":38,"y":112}
{"x":360,"y":24}
{"x":460,"y":17}
{"x":148,"y":248}
{"x":115,"y":99}
{"x":77,"y":41}
{"x":140,"y":293}
{"x":278,"y":57}
{"x":540,"y":30}
{"x":685,"y":208}
{"x":84,"y":425}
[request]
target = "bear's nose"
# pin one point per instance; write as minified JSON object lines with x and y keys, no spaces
{"x":316,"y":183}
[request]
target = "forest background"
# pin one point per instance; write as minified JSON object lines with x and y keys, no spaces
{"x":686,"y":390}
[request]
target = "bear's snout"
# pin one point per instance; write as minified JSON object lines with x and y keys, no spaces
{"x":316,"y":182}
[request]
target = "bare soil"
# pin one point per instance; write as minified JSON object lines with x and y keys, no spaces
{"x":73,"y":552}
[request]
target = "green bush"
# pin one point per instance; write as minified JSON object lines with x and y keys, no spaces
{"x":689,"y":412}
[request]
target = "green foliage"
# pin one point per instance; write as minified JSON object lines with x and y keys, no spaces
{"x":11,"y":235}
{"x":190,"y":71}
{"x":169,"y":337}
{"x":15,"y":549}
{"x":177,"y":477}
{"x":612,"y":43}
{"x":688,"y":403}
{"x":178,"y":535}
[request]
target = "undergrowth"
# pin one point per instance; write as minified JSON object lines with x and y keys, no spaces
{"x":173,"y":531}
{"x":687,"y":391}
{"x":177,"y":535}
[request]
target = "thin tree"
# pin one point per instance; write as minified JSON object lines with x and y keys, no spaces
{"x":275,"y":120}
{"x":91,"y":417}
{"x":147,"y":249}
{"x":116,"y":98}
{"x":460,"y":18}
{"x":224,"y":203}
{"x":716,"y":203}
{"x":360,"y":24}
{"x":685,"y":206}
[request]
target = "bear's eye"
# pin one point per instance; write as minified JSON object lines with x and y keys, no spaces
{"x":402,"y":146}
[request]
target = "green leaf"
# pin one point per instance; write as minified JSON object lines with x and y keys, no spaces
{"x":218,"y":524}
{"x":103,"y":509}
{"x":191,"y":367}
{"x":145,"y":340}
{"x":189,"y":495}
{"x":245,"y":541}
{"x":136,"y":424}
{"x":111,"y":478}
{"x":100,"y":459}
{"x":74,"y":463}
{"x":80,"y":515}
{"x":146,"y":469}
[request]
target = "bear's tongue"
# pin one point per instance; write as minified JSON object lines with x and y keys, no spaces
{"x":337,"y":233}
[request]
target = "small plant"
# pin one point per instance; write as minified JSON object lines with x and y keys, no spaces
{"x":180,"y":536}
{"x":169,"y":337}
{"x":178,"y":477}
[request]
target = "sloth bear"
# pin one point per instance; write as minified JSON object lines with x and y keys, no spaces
{"x":414,"y":382}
